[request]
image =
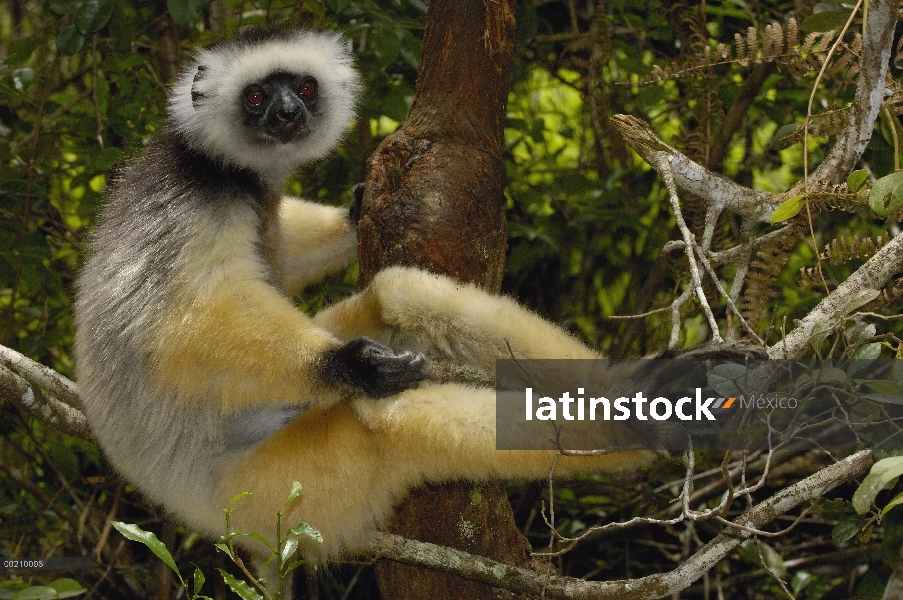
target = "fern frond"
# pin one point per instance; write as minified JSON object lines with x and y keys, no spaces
{"x":740,"y":45}
{"x":723,"y":53}
{"x":818,"y":42}
{"x":887,"y":297}
{"x":894,"y":100}
{"x":793,"y":35}
{"x":842,"y":250}
{"x":844,"y":201}
{"x":826,"y":124}
{"x":892,"y":295}
{"x":830,"y":122}
{"x":752,"y":42}
{"x":764,"y":270}
{"x":898,"y":54}
{"x":777,"y":44}
{"x":810,"y":276}
{"x":773,"y":42}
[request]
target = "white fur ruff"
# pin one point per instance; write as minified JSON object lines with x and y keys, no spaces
{"x":227,"y":68}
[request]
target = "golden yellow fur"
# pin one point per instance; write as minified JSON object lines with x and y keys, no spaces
{"x":357,"y":460}
{"x":200,"y":378}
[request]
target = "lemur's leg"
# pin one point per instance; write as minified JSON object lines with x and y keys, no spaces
{"x":411,"y":309}
{"x":356,"y":460}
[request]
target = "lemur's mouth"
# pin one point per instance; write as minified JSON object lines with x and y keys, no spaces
{"x":288,"y":131}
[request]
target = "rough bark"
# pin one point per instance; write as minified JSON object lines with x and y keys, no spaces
{"x":434,"y":195}
{"x":434,"y":199}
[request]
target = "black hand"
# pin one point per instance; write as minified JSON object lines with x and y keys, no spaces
{"x":374,"y":368}
{"x":357,"y":200}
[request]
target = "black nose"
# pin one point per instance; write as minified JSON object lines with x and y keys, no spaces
{"x":289,"y":113}
{"x":287,"y":107}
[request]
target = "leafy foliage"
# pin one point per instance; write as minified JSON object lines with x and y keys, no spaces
{"x":82,"y":87}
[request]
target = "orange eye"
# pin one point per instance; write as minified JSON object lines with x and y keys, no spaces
{"x":308,"y":88}
{"x":254,"y":97}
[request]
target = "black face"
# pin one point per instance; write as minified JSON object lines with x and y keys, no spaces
{"x":278,"y":109}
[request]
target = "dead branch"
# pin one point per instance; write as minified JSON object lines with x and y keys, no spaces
{"x":757,"y":206}
{"x":42,"y":392}
{"x":515,"y":579}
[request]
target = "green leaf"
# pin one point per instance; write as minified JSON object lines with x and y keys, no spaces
{"x":410,"y":45}
{"x":293,"y":565}
{"x":860,"y":298}
{"x":224,"y":548}
{"x":773,"y":559}
{"x":882,"y":386}
{"x":867,"y":352}
{"x":136,"y":534}
{"x":64,"y":7}
{"x":825,"y":21}
{"x":256,"y":535}
{"x":187,"y":13}
{"x":338,"y":6}
{"x":292,"y":495}
{"x":788,"y":209}
{"x":801,"y":580}
{"x":106,"y":158}
{"x":886,"y":196}
{"x":750,"y":550}
{"x":23,"y":77}
{"x":20,"y":50}
{"x":93,"y":15}
{"x":237,"y":498}
{"x":859,"y":331}
{"x":820,"y":333}
{"x":69,"y":40}
{"x":892,"y":534}
{"x":527,"y":23}
{"x":888,"y":468}
{"x":822,"y":376}
{"x":785,"y":136}
{"x":722,"y":385}
{"x":857,"y":179}
{"x":289,"y":548}
{"x":199,"y":580}
{"x":897,"y":373}
{"x":9,"y":587}
{"x":36,"y":592}
{"x":67,"y":588}
{"x":243,"y":589}
{"x":396,"y":103}
{"x":307,"y":530}
{"x":895,"y":399}
{"x":845,"y":529}
{"x":895,"y":501}
{"x":866,"y":493}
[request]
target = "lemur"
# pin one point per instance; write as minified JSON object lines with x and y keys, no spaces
{"x":200,"y":377}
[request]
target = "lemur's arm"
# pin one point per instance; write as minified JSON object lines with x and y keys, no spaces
{"x":314,"y":241}
{"x":228,"y":334}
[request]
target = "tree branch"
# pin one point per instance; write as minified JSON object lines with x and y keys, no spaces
{"x":471,"y":566}
{"x":754,"y":206}
{"x":858,"y":289}
{"x":515,"y":579}
{"x":24,"y":382}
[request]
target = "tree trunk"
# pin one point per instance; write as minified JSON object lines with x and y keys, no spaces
{"x":434,"y":200}
{"x":434,"y":196}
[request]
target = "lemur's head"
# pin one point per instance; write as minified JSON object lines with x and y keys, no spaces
{"x":267,"y":100}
